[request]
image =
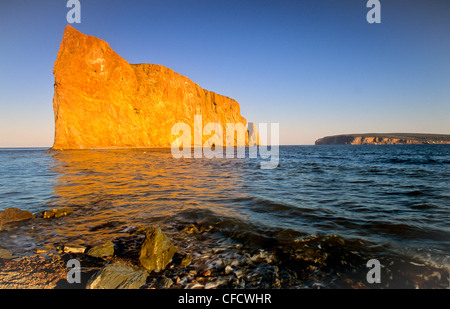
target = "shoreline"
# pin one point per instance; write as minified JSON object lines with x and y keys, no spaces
{"x":50,"y":268}
{"x":229,"y":265}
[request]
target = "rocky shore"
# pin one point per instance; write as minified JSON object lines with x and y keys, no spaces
{"x":146,"y":258}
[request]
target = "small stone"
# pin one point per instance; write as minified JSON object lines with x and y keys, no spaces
{"x":164,"y":283}
{"x":190,"y":229}
{"x":195,"y":285}
{"x":276,"y":283}
{"x":208,"y":228}
{"x":228,"y":269}
{"x":241,"y":284}
{"x":182,"y":259}
{"x":239,"y":273}
{"x":206,"y":273}
{"x":214,"y":284}
{"x":193,"y":272}
{"x":73,"y":249}
{"x":105,"y":249}
{"x":235,"y":262}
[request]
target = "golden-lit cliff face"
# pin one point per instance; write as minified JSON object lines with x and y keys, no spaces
{"x":102,"y":101}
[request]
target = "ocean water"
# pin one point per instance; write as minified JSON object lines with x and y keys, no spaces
{"x":314,"y":221}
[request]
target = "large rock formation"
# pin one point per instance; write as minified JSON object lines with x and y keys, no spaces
{"x":384,"y":139}
{"x":102,"y":101}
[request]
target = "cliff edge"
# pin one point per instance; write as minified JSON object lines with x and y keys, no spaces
{"x":102,"y":101}
{"x":384,"y":139}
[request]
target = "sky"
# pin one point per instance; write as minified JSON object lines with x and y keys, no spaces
{"x":316,"y":67}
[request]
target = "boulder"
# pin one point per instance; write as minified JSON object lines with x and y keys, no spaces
{"x":14,"y":214}
{"x":118,"y":276}
{"x":157,"y":250}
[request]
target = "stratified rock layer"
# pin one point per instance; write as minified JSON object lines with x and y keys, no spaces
{"x":102,"y":101}
{"x":117,"y":276}
{"x":384,"y":139}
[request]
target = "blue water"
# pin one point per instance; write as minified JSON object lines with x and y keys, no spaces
{"x":345,"y":204}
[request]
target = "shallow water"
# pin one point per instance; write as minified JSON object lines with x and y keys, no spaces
{"x":321,"y":214}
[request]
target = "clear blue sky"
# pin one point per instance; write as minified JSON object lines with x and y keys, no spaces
{"x":317,"y":67}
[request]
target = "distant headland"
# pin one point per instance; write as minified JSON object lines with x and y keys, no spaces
{"x":384,"y":139}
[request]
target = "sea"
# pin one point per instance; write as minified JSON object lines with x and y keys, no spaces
{"x":348,"y":216}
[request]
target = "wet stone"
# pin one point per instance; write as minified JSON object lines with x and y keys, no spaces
{"x":5,"y":254}
{"x":219,"y":282}
{"x":228,"y":269}
{"x":57,"y":212}
{"x":191,"y":229}
{"x":118,"y":276}
{"x":14,"y":214}
{"x":157,"y":250}
{"x":73,"y":248}
{"x":182,"y":259}
{"x":103,"y":250}
{"x":164,"y":283}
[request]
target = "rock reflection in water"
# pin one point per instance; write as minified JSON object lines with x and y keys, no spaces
{"x":119,"y":188}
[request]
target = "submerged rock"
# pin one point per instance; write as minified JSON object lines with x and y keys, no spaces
{"x":14,"y":214}
{"x":5,"y":254}
{"x":191,"y":229}
{"x":57,"y":212}
{"x":157,"y":250}
{"x":118,"y":276}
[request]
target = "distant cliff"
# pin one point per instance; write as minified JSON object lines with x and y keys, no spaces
{"x":384,"y":139}
{"x":102,"y":101}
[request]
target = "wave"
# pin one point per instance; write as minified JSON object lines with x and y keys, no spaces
{"x":325,"y":258}
{"x":416,"y":161}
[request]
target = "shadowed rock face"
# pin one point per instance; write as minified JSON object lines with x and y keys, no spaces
{"x":102,"y":101}
{"x":384,"y":139}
